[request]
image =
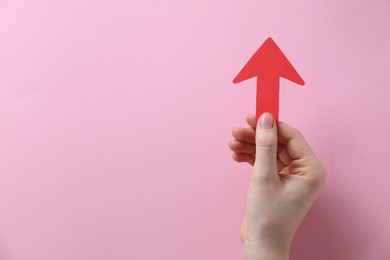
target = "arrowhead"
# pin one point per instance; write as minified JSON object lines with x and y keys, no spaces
{"x":269,"y":60}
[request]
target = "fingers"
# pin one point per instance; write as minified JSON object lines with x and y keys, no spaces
{"x":296,"y":145}
{"x":242,"y":147}
{"x":243,"y":157}
{"x":280,"y":165}
{"x":266,"y":147}
{"x":273,"y":149}
{"x":290,"y":138}
{"x":297,"y":149}
{"x":283,"y":155}
{"x":246,"y":135}
{"x":251,"y":120}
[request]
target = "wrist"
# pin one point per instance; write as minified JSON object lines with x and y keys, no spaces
{"x":266,"y":250}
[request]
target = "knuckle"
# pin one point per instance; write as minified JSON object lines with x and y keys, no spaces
{"x":266,"y":141}
{"x":323,"y":174}
{"x":235,"y":158}
{"x":319,"y":176}
{"x":242,"y":236}
{"x":297,"y":133}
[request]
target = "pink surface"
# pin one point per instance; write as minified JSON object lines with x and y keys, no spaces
{"x":115,"y":118}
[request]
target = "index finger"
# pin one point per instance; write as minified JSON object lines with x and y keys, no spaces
{"x":297,"y":147}
{"x":251,"y":120}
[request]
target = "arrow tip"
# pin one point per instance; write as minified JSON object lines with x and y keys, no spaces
{"x":269,"y":59}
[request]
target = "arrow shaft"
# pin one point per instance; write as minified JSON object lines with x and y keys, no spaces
{"x":267,"y":96}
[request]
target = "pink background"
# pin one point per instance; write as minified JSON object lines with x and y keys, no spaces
{"x":115,"y":118}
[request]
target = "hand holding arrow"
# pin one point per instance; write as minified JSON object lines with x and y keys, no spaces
{"x":268,"y":64}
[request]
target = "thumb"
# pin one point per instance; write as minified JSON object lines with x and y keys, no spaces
{"x":266,"y":147}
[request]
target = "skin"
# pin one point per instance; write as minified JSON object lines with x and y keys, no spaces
{"x":285,"y":181}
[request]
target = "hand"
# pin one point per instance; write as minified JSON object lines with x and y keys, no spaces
{"x":286,"y":179}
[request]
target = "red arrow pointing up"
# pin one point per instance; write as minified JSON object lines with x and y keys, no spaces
{"x":268,"y":64}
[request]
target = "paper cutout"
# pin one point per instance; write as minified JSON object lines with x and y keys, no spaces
{"x":268,"y":64}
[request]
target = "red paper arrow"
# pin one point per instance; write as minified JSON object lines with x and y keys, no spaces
{"x":268,"y":64}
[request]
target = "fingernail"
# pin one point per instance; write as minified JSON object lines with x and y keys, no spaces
{"x":266,"y":121}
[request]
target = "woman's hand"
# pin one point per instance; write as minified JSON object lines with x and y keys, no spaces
{"x":286,"y":179}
